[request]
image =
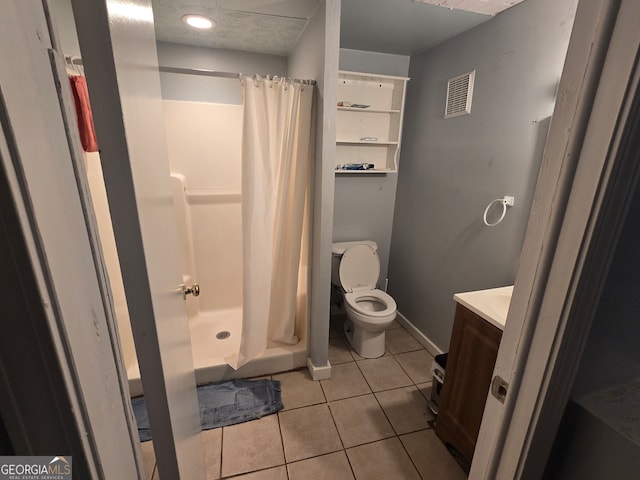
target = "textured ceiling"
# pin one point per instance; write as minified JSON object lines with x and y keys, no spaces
{"x":265,"y":26}
{"x":402,"y":27}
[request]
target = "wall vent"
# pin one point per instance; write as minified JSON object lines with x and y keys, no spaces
{"x":459,"y":94}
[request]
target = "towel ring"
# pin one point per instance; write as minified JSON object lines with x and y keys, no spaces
{"x":503,"y":201}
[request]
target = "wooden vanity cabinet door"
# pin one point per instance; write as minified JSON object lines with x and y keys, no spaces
{"x":472,"y":355}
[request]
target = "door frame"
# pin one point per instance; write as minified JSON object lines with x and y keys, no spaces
{"x":587,"y":179}
{"x":63,"y":385}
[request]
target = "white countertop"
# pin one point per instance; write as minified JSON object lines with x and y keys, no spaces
{"x":491,"y":304}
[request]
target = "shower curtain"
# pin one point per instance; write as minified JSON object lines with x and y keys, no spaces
{"x":276,"y":156}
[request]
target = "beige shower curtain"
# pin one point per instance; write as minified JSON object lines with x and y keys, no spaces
{"x":276,"y":157}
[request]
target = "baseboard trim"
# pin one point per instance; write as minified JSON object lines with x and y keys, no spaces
{"x":319,"y":373}
{"x":418,"y":335}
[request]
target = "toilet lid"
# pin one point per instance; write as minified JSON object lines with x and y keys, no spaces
{"x":359,"y":268}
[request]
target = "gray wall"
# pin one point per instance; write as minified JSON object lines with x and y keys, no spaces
{"x":194,"y":88}
{"x":374,"y":62}
{"x":451,"y":169}
{"x":316,"y":56}
{"x":364,"y":203}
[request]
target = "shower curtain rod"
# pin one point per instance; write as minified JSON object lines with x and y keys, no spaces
{"x":73,"y":61}
{"x":214,"y":73}
{"x":198,"y":71}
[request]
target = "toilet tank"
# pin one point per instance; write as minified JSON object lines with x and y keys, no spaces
{"x":337,"y":249}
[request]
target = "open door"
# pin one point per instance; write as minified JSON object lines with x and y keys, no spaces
{"x":117,"y":41}
{"x":586,"y":181}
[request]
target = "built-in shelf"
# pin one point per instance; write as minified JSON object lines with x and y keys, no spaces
{"x":365,"y":142}
{"x":383,"y":96}
{"x":366,"y":110}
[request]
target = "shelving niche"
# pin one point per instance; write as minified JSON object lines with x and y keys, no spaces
{"x":371,"y":132}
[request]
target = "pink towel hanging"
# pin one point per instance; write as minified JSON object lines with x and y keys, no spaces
{"x":83,"y":113}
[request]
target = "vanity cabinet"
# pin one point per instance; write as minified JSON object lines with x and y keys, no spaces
{"x":369,"y":121}
{"x":472,"y":355}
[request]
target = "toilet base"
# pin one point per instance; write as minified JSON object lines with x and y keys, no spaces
{"x":366,"y":344}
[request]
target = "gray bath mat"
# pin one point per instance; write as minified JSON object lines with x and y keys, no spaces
{"x":224,"y":403}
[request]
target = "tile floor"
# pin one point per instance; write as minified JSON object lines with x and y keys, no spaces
{"x":369,"y":421}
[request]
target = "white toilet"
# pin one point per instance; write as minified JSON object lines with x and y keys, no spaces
{"x":356,"y":269}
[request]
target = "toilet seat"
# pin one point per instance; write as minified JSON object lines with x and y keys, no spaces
{"x":359,"y":268}
{"x":359,"y":273}
{"x":384,"y":298}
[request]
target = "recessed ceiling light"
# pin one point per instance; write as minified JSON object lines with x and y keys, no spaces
{"x":199,"y":21}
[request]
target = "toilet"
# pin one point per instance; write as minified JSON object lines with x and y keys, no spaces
{"x":356,"y":270}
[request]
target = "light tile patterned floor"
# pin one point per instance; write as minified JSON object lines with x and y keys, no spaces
{"x":369,"y":421}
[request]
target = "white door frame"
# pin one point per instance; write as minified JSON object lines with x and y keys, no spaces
{"x":586,"y":182}
{"x":63,"y":383}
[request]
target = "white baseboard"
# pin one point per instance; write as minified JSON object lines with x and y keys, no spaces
{"x":319,"y":373}
{"x":418,"y":335}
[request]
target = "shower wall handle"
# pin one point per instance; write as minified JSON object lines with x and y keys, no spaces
{"x":192,"y":290}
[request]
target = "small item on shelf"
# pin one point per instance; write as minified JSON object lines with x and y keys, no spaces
{"x":342,"y":103}
{"x":369,"y":139}
{"x":356,"y":166}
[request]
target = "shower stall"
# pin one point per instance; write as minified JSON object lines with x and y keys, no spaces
{"x":204,"y":142}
